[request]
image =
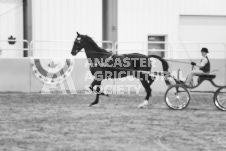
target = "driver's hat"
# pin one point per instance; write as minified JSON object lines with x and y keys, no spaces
{"x":205,"y":50}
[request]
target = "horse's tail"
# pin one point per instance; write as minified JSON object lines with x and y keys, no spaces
{"x":165,"y":67}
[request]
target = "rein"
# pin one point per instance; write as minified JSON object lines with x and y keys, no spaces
{"x":177,"y":61}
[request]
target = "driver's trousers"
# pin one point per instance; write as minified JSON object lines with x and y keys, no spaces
{"x":189,"y":80}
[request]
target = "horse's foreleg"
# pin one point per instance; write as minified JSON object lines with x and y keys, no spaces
{"x":94,"y":83}
{"x":98,"y":84}
{"x":96,"y":100}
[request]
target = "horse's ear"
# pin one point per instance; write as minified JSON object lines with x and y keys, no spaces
{"x":78,"y":34}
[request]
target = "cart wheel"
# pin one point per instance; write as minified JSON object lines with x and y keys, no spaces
{"x":177,"y":97}
{"x":220,"y":98}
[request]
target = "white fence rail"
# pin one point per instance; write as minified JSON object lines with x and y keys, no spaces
{"x":63,"y":49}
{"x":14,"y":50}
{"x":143,"y":47}
{"x":60,"y":48}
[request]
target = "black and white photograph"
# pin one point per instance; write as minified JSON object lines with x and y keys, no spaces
{"x":112,"y":75}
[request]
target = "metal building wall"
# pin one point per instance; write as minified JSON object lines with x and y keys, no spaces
{"x":11,"y":23}
{"x":137,"y":18}
{"x":202,"y":7}
{"x":61,"y":19}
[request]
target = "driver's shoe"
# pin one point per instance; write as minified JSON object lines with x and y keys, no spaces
{"x":189,"y":85}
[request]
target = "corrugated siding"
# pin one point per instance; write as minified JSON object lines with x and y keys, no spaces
{"x":11,"y":23}
{"x":138,"y":18}
{"x":61,"y":19}
{"x":202,"y":7}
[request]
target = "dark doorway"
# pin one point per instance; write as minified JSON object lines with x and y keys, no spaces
{"x":155,"y":47}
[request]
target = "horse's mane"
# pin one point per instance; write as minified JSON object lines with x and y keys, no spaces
{"x":93,"y":44}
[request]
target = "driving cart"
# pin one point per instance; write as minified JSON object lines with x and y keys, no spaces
{"x":178,"y":96}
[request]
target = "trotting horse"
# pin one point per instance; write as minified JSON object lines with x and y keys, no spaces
{"x":104,"y":65}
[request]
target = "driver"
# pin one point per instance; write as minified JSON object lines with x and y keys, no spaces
{"x":204,"y":67}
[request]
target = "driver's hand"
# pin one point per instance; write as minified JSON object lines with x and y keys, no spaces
{"x":193,"y":63}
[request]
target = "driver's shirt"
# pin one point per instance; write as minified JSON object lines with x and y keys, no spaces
{"x":205,"y":65}
{"x":203,"y":62}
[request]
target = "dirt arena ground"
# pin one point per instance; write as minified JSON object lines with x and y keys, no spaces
{"x":65,"y":122}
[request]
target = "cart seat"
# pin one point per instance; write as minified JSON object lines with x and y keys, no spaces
{"x":209,"y":76}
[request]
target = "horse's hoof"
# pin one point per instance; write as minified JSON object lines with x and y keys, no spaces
{"x":143,"y":105}
{"x":90,"y":105}
{"x":91,"y":88}
{"x":105,"y":94}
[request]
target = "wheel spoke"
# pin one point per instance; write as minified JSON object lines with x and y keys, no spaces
{"x":223,"y":103}
{"x":224,"y":98}
{"x":177,"y":100}
{"x":220,"y":98}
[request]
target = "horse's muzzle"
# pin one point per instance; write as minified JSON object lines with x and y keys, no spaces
{"x":74,"y":53}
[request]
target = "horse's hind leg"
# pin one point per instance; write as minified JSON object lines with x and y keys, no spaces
{"x":147,"y":85}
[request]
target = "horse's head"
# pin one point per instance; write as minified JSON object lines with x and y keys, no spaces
{"x":78,"y":44}
{"x":87,"y":43}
